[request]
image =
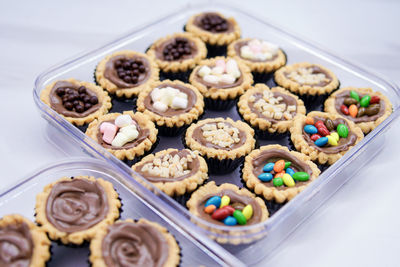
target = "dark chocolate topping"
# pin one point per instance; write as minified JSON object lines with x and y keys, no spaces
{"x":198,"y":136}
{"x":143,"y":134}
{"x":213,"y":22}
{"x":236,"y":200}
{"x":339,"y":99}
{"x":176,"y":49}
{"x":192,"y":166}
{"x":57,"y":104}
{"x":287,"y":99}
{"x":76,"y":205}
{"x":192,"y":98}
{"x":239,"y":45}
{"x":343,"y":143}
{"x":273,"y":155}
{"x":219,"y":85}
{"x":315,"y":70}
{"x":16,"y":245}
{"x":133,"y":244}
{"x":122,"y":66}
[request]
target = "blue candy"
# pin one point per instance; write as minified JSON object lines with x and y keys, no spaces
{"x":321,"y":141}
{"x":265,"y":177}
{"x":216,"y":201}
{"x":290,"y":171}
{"x":230,"y":220}
{"x":268,"y":167}
{"x":310,"y":129}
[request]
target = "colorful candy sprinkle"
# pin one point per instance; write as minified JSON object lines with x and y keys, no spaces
{"x":277,"y":181}
{"x":364,"y":102}
{"x":279,"y":166}
{"x":209,"y":209}
{"x":290,"y":171}
{"x":353,"y":110}
{"x":268,"y":167}
{"x":225,"y":200}
{"x":248,"y":212}
{"x":265,"y":177}
{"x":230,"y":221}
{"x":321,"y":142}
{"x":354,"y":95}
{"x":240,"y":218}
{"x":310,"y":129}
{"x":215,"y":200}
{"x":288,"y":180}
{"x":342,"y":130}
{"x":301,"y":176}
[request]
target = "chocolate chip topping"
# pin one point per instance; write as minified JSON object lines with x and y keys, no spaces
{"x":76,"y":205}
{"x":176,"y":49}
{"x":16,"y":245}
{"x":273,"y":155}
{"x":343,"y":143}
{"x":345,"y":95}
{"x":237,"y":201}
{"x":134,"y":244}
{"x":73,"y":100}
{"x":239,"y":45}
{"x":213,"y":22}
{"x":127,"y":72}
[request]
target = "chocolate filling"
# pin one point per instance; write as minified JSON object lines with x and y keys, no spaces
{"x":343,"y":143}
{"x":198,"y":136}
{"x":143,"y":134}
{"x":16,"y":245}
{"x":76,"y":205}
{"x":111,"y":73}
{"x":219,"y":85}
{"x":179,"y":48}
{"x":57,"y":104}
{"x":210,"y":21}
{"x":239,"y":45}
{"x":288,"y":100}
{"x":236,"y":201}
{"x":132,"y":244}
{"x":170,"y":112}
{"x":273,"y":155}
{"x":192,"y":166}
{"x":339,"y":99}
{"x":315,"y":70}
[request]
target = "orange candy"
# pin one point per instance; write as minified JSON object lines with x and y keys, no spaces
{"x":280,"y":174}
{"x":353,"y":110}
{"x":279,"y":166}
{"x":309,"y":120}
{"x":209,"y":209}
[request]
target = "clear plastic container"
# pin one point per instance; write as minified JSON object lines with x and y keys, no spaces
{"x":21,"y":199}
{"x":287,"y":218}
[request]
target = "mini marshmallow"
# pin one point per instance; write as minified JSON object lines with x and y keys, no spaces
{"x":106,"y":125}
{"x":120,"y":140}
{"x":205,"y":70}
{"x":255,"y":47}
{"x":236,"y":73}
{"x":211,"y":78}
{"x":160,"y":106}
{"x":220,"y":63}
{"x":217,"y":70}
{"x":123,"y":120}
{"x":182,"y":95}
{"x":270,"y":47}
{"x":130,"y":131}
{"x":109,"y":132}
{"x":227,"y":78}
{"x":179,"y":103}
{"x":246,"y":52}
{"x":231,"y":66}
{"x":155,"y":94}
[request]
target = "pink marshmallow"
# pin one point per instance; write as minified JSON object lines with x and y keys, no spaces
{"x":255,"y":48}
{"x":105,"y":125}
{"x":134,"y":122}
{"x":109,"y":131}
{"x":220,"y":63}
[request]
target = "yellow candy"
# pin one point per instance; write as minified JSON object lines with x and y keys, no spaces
{"x":335,"y":135}
{"x":248,"y":212}
{"x":288,"y":180}
{"x":225,"y":200}
{"x":331,"y":140}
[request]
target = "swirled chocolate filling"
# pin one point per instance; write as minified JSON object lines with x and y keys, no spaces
{"x":76,"y":205}
{"x":176,"y":49}
{"x":73,"y":99}
{"x":339,"y":101}
{"x":213,"y":22}
{"x":315,"y":70}
{"x":133,"y":244}
{"x":170,"y":112}
{"x":237,"y":202}
{"x":273,"y":155}
{"x":239,"y":45}
{"x":127,"y":72}
{"x":16,"y":245}
{"x":343,"y":143}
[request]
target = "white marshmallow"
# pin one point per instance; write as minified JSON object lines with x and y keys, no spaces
{"x":123,"y":120}
{"x":128,"y":128}
{"x":155,"y":94}
{"x":179,"y":103}
{"x":217,"y":70}
{"x":220,"y":63}
{"x":270,"y":47}
{"x":246,"y":52}
{"x":182,"y":95}
{"x":236,"y":73}
{"x":160,"y":106}
{"x":211,"y":78}
{"x":231,"y":66}
{"x":227,"y":78}
{"x":205,"y":70}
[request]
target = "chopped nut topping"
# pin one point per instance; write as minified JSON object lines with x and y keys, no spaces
{"x":221,"y":134}
{"x":305,"y":76}
{"x":273,"y":107}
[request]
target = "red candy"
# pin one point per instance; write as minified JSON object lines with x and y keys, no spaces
{"x":374,"y":100}
{"x":220,"y":214}
{"x":319,"y":124}
{"x":230,"y":209}
{"x":345,"y":110}
{"x":323,"y":131}
{"x":315,"y":137}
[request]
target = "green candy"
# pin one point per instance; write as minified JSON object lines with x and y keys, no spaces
{"x":301,"y":176}
{"x":354,"y":95}
{"x":342,"y":130}
{"x":364,"y":102}
{"x":278,"y":181}
{"x":287,"y":164}
{"x":239,"y":217}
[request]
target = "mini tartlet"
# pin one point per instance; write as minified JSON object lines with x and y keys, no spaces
{"x":130,"y":243}
{"x":221,"y":80}
{"x":178,"y":52}
{"x":324,"y":137}
{"x":311,"y":81}
{"x":171,"y":105}
{"x":222,"y":142}
{"x":213,"y":28}
{"x":286,"y":188}
{"x":173,"y":171}
{"x":73,"y":210}
{"x":369,"y":108}
{"x":269,"y":111}
{"x":126,"y":73}
{"x":78,"y":102}
{"x":258,"y":55}
{"x":141,"y":132}
{"x":22,"y":242}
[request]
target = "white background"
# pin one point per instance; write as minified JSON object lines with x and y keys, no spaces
{"x":359,"y":226}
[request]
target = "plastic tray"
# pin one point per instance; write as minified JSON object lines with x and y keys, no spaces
{"x":286,"y":218}
{"x":21,"y":199}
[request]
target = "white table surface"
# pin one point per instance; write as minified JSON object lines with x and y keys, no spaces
{"x":358,"y":226}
